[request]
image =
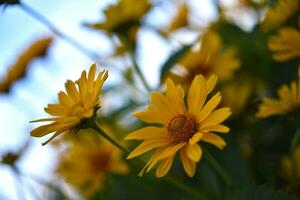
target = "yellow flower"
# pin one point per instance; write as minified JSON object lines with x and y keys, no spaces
{"x":279,"y":13}
{"x":87,"y":161}
{"x":289,"y":100}
{"x":208,"y":59}
{"x":180,"y":19}
{"x":182,"y":128}
{"x":286,"y":45}
{"x":236,"y":100}
{"x":18,"y":70}
{"x":122,"y":16}
{"x":74,"y":107}
{"x":290,"y":171}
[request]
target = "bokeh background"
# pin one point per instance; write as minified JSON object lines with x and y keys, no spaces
{"x":46,"y":76}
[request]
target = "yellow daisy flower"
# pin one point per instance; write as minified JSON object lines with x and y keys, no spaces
{"x":289,"y":100}
{"x":279,"y":13}
{"x":93,"y":156}
{"x":290,"y":171}
{"x":208,"y":59}
{"x":75,"y":107}
{"x":122,"y":16}
{"x":18,"y":70}
{"x":180,"y":19}
{"x":286,"y":45}
{"x":182,"y":128}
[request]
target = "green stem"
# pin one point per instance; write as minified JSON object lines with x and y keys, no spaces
{"x":224,"y":175}
{"x":39,"y":17}
{"x":295,"y":140}
{"x":106,"y":136}
{"x":139,"y":72}
{"x":171,"y":180}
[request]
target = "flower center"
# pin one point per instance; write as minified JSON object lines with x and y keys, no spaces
{"x":182,"y":127}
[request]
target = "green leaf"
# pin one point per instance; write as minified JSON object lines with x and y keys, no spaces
{"x":251,"y":191}
{"x":172,"y":60}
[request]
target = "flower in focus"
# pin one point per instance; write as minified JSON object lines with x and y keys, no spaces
{"x":208,"y":59}
{"x":124,"y":17}
{"x":289,"y":100}
{"x":86,"y":162}
{"x":286,"y":45}
{"x":279,"y":13}
{"x":182,"y":127}
{"x":75,"y":107}
{"x":18,"y":70}
{"x":236,"y":100}
{"x":290,"y":168}
{"x":180,"y":19}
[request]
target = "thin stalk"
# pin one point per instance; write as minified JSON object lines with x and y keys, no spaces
{"x":171,"y":180}
{"x":73,"y":42}
{"x":295,"y":140}
{"x":139,"y":72}
{"x":212,"y":161}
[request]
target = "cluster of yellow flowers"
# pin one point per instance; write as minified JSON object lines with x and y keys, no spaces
{"x":179,"y":119}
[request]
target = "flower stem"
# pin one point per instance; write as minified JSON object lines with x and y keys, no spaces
{"x":110,"y":139}
{"x":295,"y":140}
{"x":224,"y":175}
{"x":171,"y":180}
{"x":139,"y":72}
{"x":73,"y":42}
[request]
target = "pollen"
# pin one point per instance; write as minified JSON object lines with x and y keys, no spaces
{"x":182,"y":127}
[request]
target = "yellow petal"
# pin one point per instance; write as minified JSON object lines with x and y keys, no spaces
{"x":211,"y":83}
{"x":216,"y":117}
{"x":209,"y":107}
{"x":147,"y":133}
{"x":188,"y":165}
{"x":214,"y":139}
{"x":164,"y":167}
{"x":196,"y":138}
{"x":194,"y":152}
{"x":147,"y":146}
{"x":216,"y":128}
{"x":175,"y":96}
{"x":197,"y":95}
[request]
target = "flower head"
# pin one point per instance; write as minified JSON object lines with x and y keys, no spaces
{"x":19,"y":68}
{"x":123,"y":16}
{"x":182,"y":127}
{"x":286,"y":45}
{"x":208,"y":59}
{"x":279,"y":13}
{"x":289,"y":100}
{"x":75,"y":106}
{"x":93,"y":156}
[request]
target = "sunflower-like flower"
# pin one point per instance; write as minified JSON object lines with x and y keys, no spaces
{"x":18,"y":70}
{"x":182,"y":127}
{"x":86,"y":162}
{"x":286,"y":45}
{"x":206,"y":60}
{"x":290,"y":171}
{"x":279,"y":13}
{"x":75,"y":107}
{"x":179,"y":20}
{"x":289,"y":100}
{"x":123,"y":17}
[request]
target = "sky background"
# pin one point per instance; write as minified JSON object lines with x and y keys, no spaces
{"x":47,"y":76}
